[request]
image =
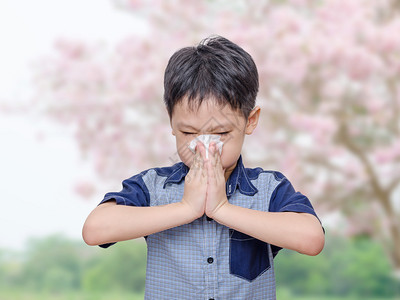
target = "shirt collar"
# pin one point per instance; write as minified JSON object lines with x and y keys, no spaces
{"x":237,"y":180}
{"x":240,"y":180}
{"x":177,"y":174}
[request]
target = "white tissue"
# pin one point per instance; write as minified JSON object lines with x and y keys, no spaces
{"x":206,"y":139}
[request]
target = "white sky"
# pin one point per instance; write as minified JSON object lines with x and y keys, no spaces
{"x":37,"y":177}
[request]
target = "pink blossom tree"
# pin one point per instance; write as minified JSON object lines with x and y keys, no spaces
{"x":329,"y":91}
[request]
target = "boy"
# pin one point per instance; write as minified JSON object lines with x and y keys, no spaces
{"x":212,"y":227}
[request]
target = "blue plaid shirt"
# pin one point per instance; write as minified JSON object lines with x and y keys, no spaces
{"x":204,"y":259}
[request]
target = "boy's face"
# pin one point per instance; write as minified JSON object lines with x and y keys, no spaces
{"x":211,"y":118}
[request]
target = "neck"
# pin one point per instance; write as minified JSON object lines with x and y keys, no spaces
{"x":229,"y":171}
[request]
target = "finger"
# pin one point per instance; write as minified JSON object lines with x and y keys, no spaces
{"x":196,"y":162}
{"x":212,"y":153}
{"x":211,"y":170}
{"x":218,"y":163}
{"x":218,"y":166}
{"x":204,"y":173}
{"x":218,"y":170}
{"x":202,"y":150}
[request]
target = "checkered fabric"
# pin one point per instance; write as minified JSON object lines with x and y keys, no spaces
{"x":204,"y":259}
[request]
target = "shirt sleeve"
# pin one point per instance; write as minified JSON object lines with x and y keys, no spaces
{"x":285,"y":199}
{"x":134,"y":193}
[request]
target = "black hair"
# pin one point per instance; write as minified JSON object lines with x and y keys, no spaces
{"x":216,"y":68}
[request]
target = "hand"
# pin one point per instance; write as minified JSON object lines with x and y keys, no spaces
{"x":194,"y":195}
{"x":216,"y":186}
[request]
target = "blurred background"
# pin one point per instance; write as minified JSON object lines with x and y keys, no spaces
{"x":81,"y":85}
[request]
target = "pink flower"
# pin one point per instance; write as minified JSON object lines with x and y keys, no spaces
{"x":388,"y":154}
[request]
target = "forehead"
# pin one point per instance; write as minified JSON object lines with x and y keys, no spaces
{"x":208,"y":114}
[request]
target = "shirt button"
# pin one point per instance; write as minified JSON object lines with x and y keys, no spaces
{"x":210,"y":260}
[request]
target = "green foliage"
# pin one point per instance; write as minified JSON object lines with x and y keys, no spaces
{"x":346,"y":267}
{"x":10,"y":268}
{"x":52,"y":264}
{"x":58,"y":268}
{"x":57,"y":265}
{"x":121,"y":267}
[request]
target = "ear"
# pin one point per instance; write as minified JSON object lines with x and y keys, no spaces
{"x":170,"y":121}
{"x":172,"y":129}
{"x":252,"y":120}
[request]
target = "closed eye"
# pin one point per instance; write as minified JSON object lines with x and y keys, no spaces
{"x":218,"y":133}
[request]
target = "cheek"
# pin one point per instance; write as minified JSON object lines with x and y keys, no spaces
{"x":232,"y":145}
{"x":231,"y":152}
{"x":228,"y":154}
{"x":184,"y":152}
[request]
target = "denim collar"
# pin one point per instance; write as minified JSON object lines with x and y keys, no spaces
{"x":238,"y":179}
{"x":175,"y":174}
